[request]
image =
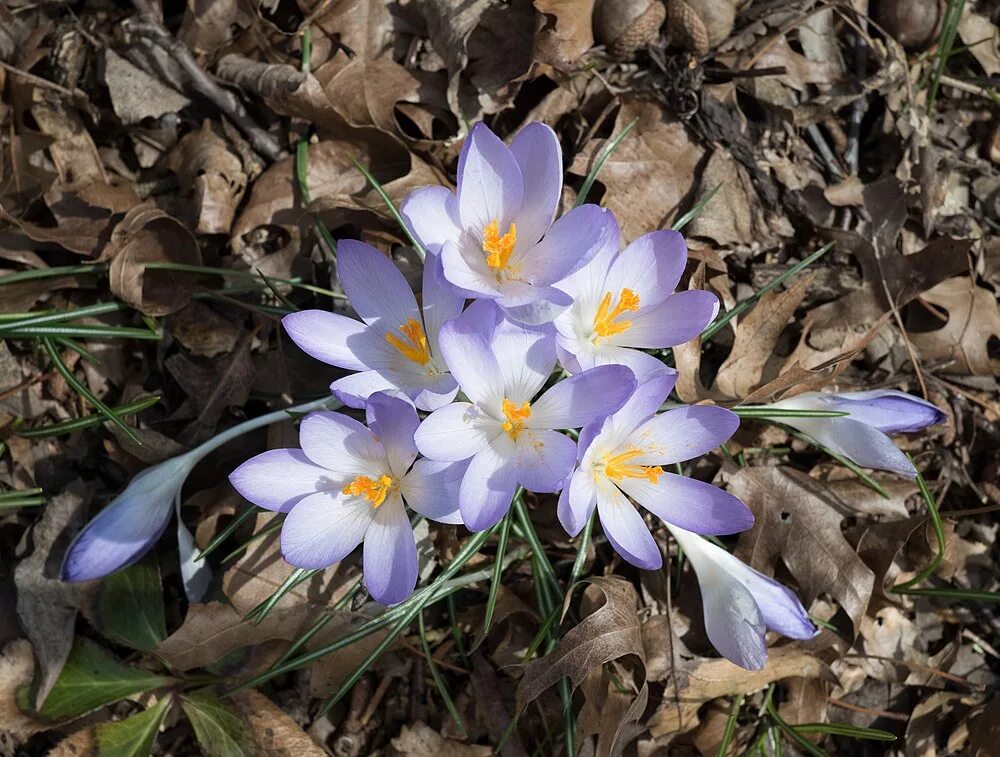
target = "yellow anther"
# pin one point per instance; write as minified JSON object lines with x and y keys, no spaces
{"x":605,"y":323}
{"x":618,"y":467}
{"x":415,"y":345}
{"x":498,"y":248}
{"x":372,"y":490}
{"x":515,"y":416}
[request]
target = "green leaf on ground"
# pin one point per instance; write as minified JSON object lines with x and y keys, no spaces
{"x":220,"y":729}
{"x":134,"y":736}
{"x":129,"y":606}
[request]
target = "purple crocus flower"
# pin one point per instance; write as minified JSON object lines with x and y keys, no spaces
{"x":625,"y":301}
{"x":861,"y":436}
{"x":348,"y":484}
{"x":508,"y":434}
{"x":621,"y":458}
{"x":496,"y":235}
{"x":395,"y":350}
{"x":740,"y":602}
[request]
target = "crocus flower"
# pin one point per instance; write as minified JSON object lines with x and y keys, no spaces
{"x":740,"y":602}
{"x":509,"y":435}
{"x":625,"y":301}
{"x":621,"y":459}
{"x":130,"y":525}
{"x":396,"y":348}
{"x":496,"y":235}
{"x":861,"y":436}
{"x":348,"y":484}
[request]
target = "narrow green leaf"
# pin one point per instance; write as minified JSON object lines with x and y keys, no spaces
{"x":765,"y":411}
{"x":727,"y":735}
{"x":392,"y":209}
{"x":696,"y":211}
{"x":45,"y":273}
{"x":87,"y":421}
{"x":935,"y":518}
{"x":129,"y":606}
{"x":221,"y":730}
{"x":843,"y":729}
{"x":56,"y":316}
{"x":228,"y":531}
{"x":134,"y":736}
{"x":92,"y":678}
{"x":491,"y":601}
{"x":442,"y":687}
{"x":588,"y":182}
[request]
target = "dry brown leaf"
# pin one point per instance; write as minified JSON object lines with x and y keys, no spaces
{"x":208,"y":25}
{"x":651,"y":172}
{"x":148,"y":235}
{"x":136,"y":95}
{"x":963,"y":342}
{"x":82,"y":743}
{"x":16,"y":666}
{"x":275,"y":732}
{"x":797,"y":520}
{"x":566,"y":34}
{"x":203,"y":331}
{"x":73,"y":151}
{"x":419,"y":739}
{"x":611,"y":632}
{"x":982,"y":38}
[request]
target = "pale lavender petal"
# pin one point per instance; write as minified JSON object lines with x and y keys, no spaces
{"x":390,"y":554}
{"x":278,"y":478}
{"x":651,"y":267}
{"x":431,"y":214}
{"x":689,"y":503}
{"x":626,"y":530}
{"x":128,"y":527}
{"x":676,"y":320}
{"x":355,"y":389}
{"x":467,"y":270}
{"x":582,"y":398}
{"x":431,"y":398}
{"x":324,"y":528}
{"x":196,"y":575}
{"x":472,"y":363}
{"x":440,"y":301}
{"x":586,"y":283}
{"x":431,"y":488}
{"x":857,"y":442}
{"x":455,"y":432}
{"x":490,"y":186}
{"x":394,"y":421}
{"x":781,"y":609}
{"x":642,"y":364}
{"x":331,"y":338}
{"x":682,"y":434}
{"x":577,"y":502}
{"x":589,"y":432}
{"x":733,"y":621}
{"x":533,"y":305}
{"x":645,"y":401}
{"x":481,"y":317}
{"x":375,"y":287}
{"x":525,"y":356}
{"x":571,"y":243}
{"x":888,"y":410}
{"x":340,"y":444}
{"x":539,"y":156}
{"x":488,"y":485}
{"x":544,"y":460}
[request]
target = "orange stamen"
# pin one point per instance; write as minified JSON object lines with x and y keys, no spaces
{"x":498,"y":248}
{"x":618,"y":467}
{"x":515,"y":417}
{"x":605,"y":323}
{"x":372,"y":490}
{"x":415,"y":346}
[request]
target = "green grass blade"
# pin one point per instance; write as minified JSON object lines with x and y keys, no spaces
{"x":529,"y":533}
{"x":237,"y":273}
{"x":228,"y":531}
{"x":270,"y":528}
{"x":302,"y":175}
{"x":88,"y":421}
{"x":46,"y":273}
{"x":763,"y":411}
{"x":696,"y":211}
{"x":730,"y":732}
{"x":588,"y":182}
{"x":392,"y":209}
{"x":843,"y":729}
{"x":293,"y":579}
{"x":949,"y":30}
{"x":82,"y":332}
{"x":100,"y":308}
{"x":491,"y":602}
{"x":950,"y":593}
{"x":581,"y":553}
{"x":807,"y":746}
{"x":935,"y":517}
{"x":442,"y":688}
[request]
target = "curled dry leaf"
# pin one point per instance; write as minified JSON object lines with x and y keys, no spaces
{"x":148,"y":235}
{"x":566,"y":33}
{"x":420,"y":739}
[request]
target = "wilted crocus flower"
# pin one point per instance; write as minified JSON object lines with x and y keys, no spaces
{"x":348,"y":484}
{"x":740,"y":603}
{"x":509,"y":435}
{"x":496,"y":235}
{"x":130,"y":525}
{"x":621,"y":457}
{"x":625,"y":301}
{"x":396,"y":348}
{"x":861,"y":436}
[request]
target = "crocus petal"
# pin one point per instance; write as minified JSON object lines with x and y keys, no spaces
{"x":525,"y":357}
{"x":467,"y":271}
{"x":490,"y":186}
{"x":690,"y":504}
{"x":278,"y":478}
{"x":864,"y":445}
{"x":196,"y":575}
{"x":128,"y":527}
{"x":431,"y":488}
{"x":781,"y":609}
{"x":533,"y":305}
{"x":577,"y":502}
{"x":375,"y":287}
{"x":539,"y":156}
{"x":544,"y":459}
{"x":390,"y":555}
{"x":644,"y":402}
{"x":431,"y":214}
{"x":650,"y":266}
{"x":330,"y":338}
{"x":676,"y":320}
{"x":626,"y":530}
{"x":472,"y":363}
{"x":682,"y":434}
{"x":324,"y":528}
{"x":580,"y":399}
{"x":340,"y":444}
{"x":488,"y":485}
{"x":455,"y":432}
{"x":569,"y":244}
{"x":431,"y":399}
{"x":354,"y":390}
{"x":642,"y":364}
{"x":394,"y":421}
{"x":440,"y":301}
{"x":887,"y":410}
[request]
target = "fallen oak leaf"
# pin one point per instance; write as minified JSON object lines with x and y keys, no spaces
{"x":275,"y":732}
{"x":963,"y":341}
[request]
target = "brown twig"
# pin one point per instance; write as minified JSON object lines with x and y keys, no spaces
{"x":151,"y":27}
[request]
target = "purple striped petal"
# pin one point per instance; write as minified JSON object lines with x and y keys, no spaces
{"x":887,"y":410}
{"x":340,"y":444}
{"x":690,"y":504}
{"x":583,"y":398}
{"x":472,"y":363}
{"x":781,"y":609}
{"x":682,"y":434}
{"x":626,"y":530}
{"x":864,"y":445}
{"x":488,"y":485}
{"x":278,"y":478}
{"x":650,"y":266}
{"x":440,"y":301}
{"x":431,"y":214}
{"x":324,"y":528}
{"x":645,"y":401}
{"x":525,"y":356}
{"x":538,"y":154}
{"x":544,"y":460}
{"x":455,"y":432}
{"x":465,"y":267}
{"x":375,"y":287}
{"x":572,"y":242}
{"x":330,"y":338}
{"x":394,"y":421}
{"x":676,"y":320}
{"x":577,"y":502}
{"x":533,"y":305}
{"x":642,"y":364}
{"x":490,"y":186}
{"x":390,"y":554}
{"x":431,"y":488}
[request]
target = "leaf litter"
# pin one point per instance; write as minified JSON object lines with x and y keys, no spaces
{"x":167,"y":169}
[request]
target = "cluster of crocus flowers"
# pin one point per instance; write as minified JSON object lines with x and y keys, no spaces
{"x":527,"y":328}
